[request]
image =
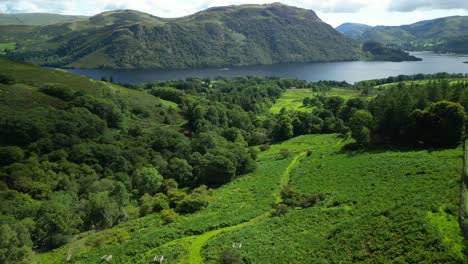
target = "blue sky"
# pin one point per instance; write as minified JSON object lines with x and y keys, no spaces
{"x":334,"y":12}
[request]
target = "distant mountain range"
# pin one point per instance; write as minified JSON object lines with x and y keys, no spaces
{"x":220,"y":36}
{"x":36,"y":19}
{"x":447,"y":34}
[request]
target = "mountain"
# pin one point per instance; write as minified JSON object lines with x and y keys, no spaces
{"x":445,"y":34}
{"x":36,"y":19}
{"x":220,"y":36}
{"x":353,"y":30}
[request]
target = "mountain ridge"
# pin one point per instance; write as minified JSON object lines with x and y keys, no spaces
{"x":440,"y":35}
{"x":36,"y":19}
{"x":219,"y":36}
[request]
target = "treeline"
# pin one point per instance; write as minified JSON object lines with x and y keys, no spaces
{"x":431,"y":114}
{"x":413,"y":77}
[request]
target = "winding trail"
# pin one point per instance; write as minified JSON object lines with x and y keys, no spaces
{"x":195,"y":243}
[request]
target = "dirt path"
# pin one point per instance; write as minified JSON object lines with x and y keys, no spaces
{"x":196,"y":243}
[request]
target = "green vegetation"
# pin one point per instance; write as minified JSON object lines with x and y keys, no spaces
{"x":378,"y":52}
{"x":6,"y":46}
{"x":222,"y":36}
{"x":376,"y":204}
{"x":447,"y":34}
{"x":293,"y":99}
{"x":202,"y":170}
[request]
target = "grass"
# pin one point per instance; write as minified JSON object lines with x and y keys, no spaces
{"x":381,"y":206}
{"x":6,"y":46}
{"x":292,"y":98}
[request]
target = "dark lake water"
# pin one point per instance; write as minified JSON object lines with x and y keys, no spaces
{"x":340,"y":71}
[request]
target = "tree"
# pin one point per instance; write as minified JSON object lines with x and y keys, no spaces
{"x":15,"y":241}
{"x":360,"y":124}
{"x":56,"y":222}
{"x":283,"y":129}
{"x":147,"y":180}
{"x":441,"y":124}
{"x":333,"y":103}
{"x":217,"y":170}
{"x":101,"y":211}
{"x":10,"y":154}
{"x":181,"y":171}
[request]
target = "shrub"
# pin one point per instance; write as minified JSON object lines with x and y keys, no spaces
{"x":58,"y":91}
{"x":280,"y":209}
{"x":168,"y":215}
{"x":264,"y":147}
{"x":230,"y":256}
{"x":284,"y":153}
{"x":7,"y":79}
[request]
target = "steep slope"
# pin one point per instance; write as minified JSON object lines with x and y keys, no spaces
{"x":233,"y":35}
{"x":442,"y":34}
{"x":36,"y":19}
{"x":352,"y":30}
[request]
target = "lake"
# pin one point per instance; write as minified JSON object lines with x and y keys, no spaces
{"x":351,"y":72}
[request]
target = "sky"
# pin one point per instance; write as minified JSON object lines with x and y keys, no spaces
{"x":334,"y":12}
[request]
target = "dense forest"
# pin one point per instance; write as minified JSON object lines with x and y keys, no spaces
{"x":84,"y":159}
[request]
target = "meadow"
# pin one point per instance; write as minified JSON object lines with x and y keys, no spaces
{"x":6,"y":46}
{"x":292,"y":98}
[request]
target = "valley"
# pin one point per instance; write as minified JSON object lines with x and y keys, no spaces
{"x":237,"y":134}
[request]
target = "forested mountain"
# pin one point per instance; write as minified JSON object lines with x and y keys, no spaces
{"x":445,"y":34}
{"x":36,"y":19}
{"x":221,"y":36}
{"x":353,"y":30}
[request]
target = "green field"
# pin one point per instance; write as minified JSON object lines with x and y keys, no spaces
{"x":380,"y":206}
{"x":6,"y":46}
{"x":292,"y":98}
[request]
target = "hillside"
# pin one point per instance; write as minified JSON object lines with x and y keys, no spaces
{"x":442,"y":34}
{"x":36,"y":19}
{"x":221,"y":36}
{"x":366,"y":209}
{"x":191,"y":170}
{"x":353,"y":30}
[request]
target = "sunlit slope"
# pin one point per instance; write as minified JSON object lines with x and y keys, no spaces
{"x":379,"y":206}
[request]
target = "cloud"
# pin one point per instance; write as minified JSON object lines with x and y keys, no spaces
{"x":164,"y":8}
{"x":409,"y":6}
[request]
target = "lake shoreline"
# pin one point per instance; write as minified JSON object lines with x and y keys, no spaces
{"x":350,"y":71}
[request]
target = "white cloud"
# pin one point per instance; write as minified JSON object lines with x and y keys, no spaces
{"x":334,"y":12}
{"x":163,"y":8}
{"x":409,"y":6}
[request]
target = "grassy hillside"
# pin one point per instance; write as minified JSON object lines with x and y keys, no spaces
{"x":30,"y":78}
{"x":222,"y":36}
{"x":36,"y":19}
{"x":442,"y":34}
{"x":376,"y":203}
